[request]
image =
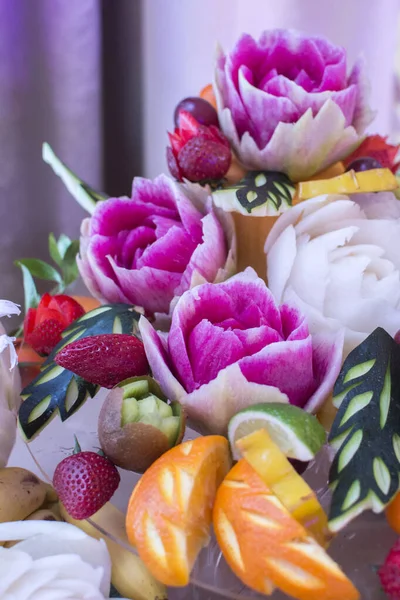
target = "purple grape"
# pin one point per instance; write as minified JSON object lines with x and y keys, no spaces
{"x":200,"y":109}
{"x":364,"y":163}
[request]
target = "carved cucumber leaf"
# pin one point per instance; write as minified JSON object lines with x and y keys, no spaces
{"x":57,"y":390}
{"x":366,"y":431}
{"x":83,"y":193}
{"x":262,"y":193}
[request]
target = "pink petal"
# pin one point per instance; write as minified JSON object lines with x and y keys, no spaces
{"x":118,"y":214}
{"x":285,"y":365}
{"x":210,"y":349}
{"x":171,"y":253}
{"x":189,"y":215}
{"x":158,"y":359}
{"x":256,"y":339}
{"x":147,"y":287}
{"x":137,"y":239}
{"x":162,"y":188}
{"x":294,"y":324}
{"x":363,"y":115}
{"x":327,"y":360}
{"x":209,"y":257}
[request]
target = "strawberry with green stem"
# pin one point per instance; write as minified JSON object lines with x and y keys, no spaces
{"x":84,"y":482}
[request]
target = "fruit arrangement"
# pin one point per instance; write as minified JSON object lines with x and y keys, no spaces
{"x":242,"y":331}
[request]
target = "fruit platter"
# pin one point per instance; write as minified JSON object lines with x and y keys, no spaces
{"x":209,"y":382}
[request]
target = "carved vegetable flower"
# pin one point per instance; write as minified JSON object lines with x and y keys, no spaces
{"x":338,"y":259}
{"x":52,"y":560}
{"x":286,"y":102}
{"x":231,"y":346}
{"x":150,"y":248}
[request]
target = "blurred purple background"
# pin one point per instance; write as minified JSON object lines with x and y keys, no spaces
{"x":99,"y":80}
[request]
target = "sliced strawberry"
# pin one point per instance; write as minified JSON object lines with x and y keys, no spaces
{"x":45,"y":336}
{"x":105,"y":359}
{"x":50,"y":314}
{"x":68,"y":307}
{"x":29,"y":321}
{"x":173,"y":165}
{"x":203,"y":159}
{"x":45,"y":300}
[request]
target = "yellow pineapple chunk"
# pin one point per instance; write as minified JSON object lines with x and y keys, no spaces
{"x":279,"y":475}
{"x":374,"y":180}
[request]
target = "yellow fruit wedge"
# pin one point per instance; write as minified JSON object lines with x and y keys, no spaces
{"x":332,"y":171}
{"x":129,"y":575}
{"x":279,"y":475}
{"x":374,"y":180}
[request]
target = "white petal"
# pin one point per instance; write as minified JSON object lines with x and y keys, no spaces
{"x":310,"y":273}
{"x":13,"y":565}
{"x":336,"y":213}
{"x":382,"y":205}
{"x":295,"y":215}
{"x":8,"y":308}
{"x":281,"y":257}
{"x":384,"y":233}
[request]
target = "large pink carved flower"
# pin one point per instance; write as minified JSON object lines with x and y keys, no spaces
{"x":148,"y":249}
{"x":287,"y":104}
{"x":231,"y":346}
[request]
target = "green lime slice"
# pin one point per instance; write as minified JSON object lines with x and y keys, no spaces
{"x":296,"y":432}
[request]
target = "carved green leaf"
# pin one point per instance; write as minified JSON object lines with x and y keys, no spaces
{"x":57,"y":390}
{"x":366,"y":431}
{"x":83,"y":193}
{"x":269,"y":189}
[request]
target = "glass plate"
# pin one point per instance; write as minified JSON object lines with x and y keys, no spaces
{"x":358,"y":550}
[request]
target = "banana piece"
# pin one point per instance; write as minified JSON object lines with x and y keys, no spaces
{"x":43,"y":514}
{"x":129,"y":574}
{"x":21,"y":493}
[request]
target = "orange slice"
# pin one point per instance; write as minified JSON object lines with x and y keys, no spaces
{"x":207,"y":93}
{"x":277,"y":473}
{"x":170,"y":511}
{"x":392,"y":513}
{"x":267,"y":548}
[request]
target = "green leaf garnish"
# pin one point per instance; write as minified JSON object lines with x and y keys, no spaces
{"x":56,"y":389}
{"x":83,"y":193}
{"x":40,"y":269}
{"x":366,"y":431}
{"x":269,"y":189}
{"x":32,"y":298}
{"x":54,"y":251}
{"x":68,"y":265}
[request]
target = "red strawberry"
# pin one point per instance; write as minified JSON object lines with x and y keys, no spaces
{"x":45,"y":336}
{"x":197,"y":152}
{"x":105,"y":359}
{"x":43,"y":325}
{"x":389,"y":573}
{"x":84,"y":482}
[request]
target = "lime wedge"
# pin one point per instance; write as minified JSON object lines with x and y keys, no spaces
{"x":296,"y":432}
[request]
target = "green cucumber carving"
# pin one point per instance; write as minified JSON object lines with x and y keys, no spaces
{"x":56,"y":389}
{"x":366,"y":431}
